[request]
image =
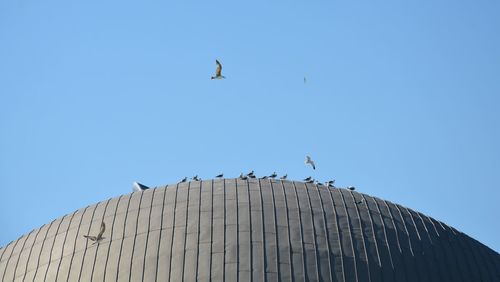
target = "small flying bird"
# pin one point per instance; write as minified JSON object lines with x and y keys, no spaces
{"x":310,"y":161}
{"x":284,"y":177}
{"x":243,"y":177}
{"x":352,"y":188}
{"x":99,"y":237}
{"x":219,"y":175}
{"x":136,"y":187}
{"x":251,"y":173}
{"x":184,"y":179}
{"x":307,"y":178}
{"x":218,"y":71}
{"x":273,"y":176}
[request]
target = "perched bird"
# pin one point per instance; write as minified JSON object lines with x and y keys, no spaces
{"x":264,"y":177}
{"x":243,"y":177}
{"x":219,"y":175}
{"x":99,"y":237}
{"x":273,"y":176}
{"x":251,"y":176}
{"x":307,"y":178}
{"x":284,"y":177}
{"x":136,"y":187}
{"x":184,"y":179}
{"x":310,"y":161}
{"x":352,"y":188}
{"x":319,"y":183}
{"x":250,"y":173}
{"x":310,"y":181}
{"x":195,"y":178}
{"x":218,"y":71}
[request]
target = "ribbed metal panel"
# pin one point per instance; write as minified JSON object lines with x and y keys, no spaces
{"x":248,"y":230}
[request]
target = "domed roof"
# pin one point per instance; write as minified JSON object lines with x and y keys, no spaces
{"x":251,"y":230}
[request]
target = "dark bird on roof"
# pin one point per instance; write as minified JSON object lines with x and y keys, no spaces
{"x":136,"y":187}
{"x":307,"y":178}
{"x":251,"y":176}
{"x":184,"y":179}
{"x":219,"y":175}
{"x":352,"y":188}
{"x":195,"y":178}
{"x":99,"y":237}
{"x":273,"y":175}
{"x":243,"y":177}
{"x":310,"y":181}
{"x":310,"y":162}
{"x":251,"y":173}
{"x":284,"y":177}
{"x":218,"y":71}
{"x":264,"y":177}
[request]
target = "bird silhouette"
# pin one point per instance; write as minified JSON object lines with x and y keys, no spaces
{"x":99,"y":236}
{"x":352,"y":188}
{"x":273,"y":175}
{"x":284,"y":177}
{"x":136,"y":187}
{"x":243,"y":177}
{"x":219,"y":175}
{"x":184,"y":179}
{"x":195,"y":178}
{"x":310,"y":162}
{"x":307,"y":178}
{"x":218,"y":71}
{"x":251,"y":173}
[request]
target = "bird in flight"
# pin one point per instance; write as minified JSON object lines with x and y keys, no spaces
{"x":136,"y":187}
{"x":310,"y":161}
{"x":218,"y":71}
{"x":99,"y":237}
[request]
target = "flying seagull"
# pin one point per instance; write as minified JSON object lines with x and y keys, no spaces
{"x":352,"y":188}
{"x":218,"y":71}
{"x":184,"y":179}
{"x":273,"y":175}
{"x":310,"y":161}
{"x":136,"y":187}
{"x":220,"y":175}
{"x":284,"y":177}
{"x":99,"y":237}
{"x":307,"y":178}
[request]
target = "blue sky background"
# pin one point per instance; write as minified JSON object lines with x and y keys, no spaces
{"x":402,"y":101}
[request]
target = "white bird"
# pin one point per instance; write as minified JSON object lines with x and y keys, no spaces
{"x":218,"y":71}
{"x":136,"y":187}
{"x":99,"y":237}
{"x":310,"y":161}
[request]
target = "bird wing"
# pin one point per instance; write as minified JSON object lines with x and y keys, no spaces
{"x":312,"y":163}
{"x":103,"y":227}
{"x":218,"y":70}
{"x":93,"y":238}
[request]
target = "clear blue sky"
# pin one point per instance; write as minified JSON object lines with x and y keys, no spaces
{"x":402,"y":101}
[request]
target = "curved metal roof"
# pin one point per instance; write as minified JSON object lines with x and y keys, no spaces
{"x":248,"y":230}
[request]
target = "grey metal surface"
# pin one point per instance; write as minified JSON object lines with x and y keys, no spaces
{"x":248,"y":230}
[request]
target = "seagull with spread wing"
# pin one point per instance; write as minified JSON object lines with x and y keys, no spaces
{"x":310,"y":161}
{"x":218,"y":71}
{"x":99,"y":237}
